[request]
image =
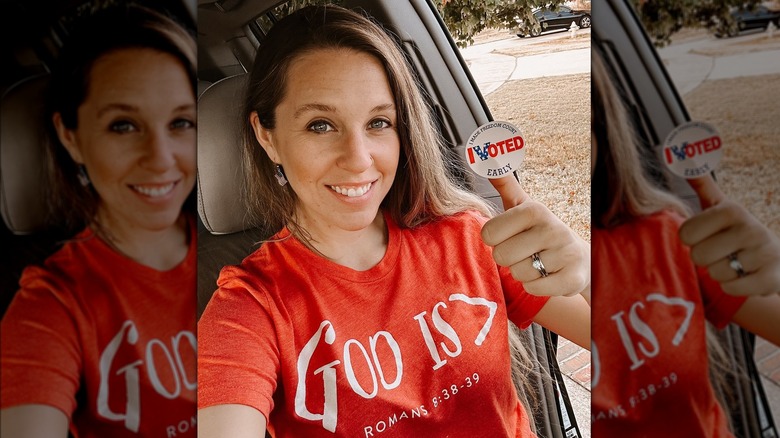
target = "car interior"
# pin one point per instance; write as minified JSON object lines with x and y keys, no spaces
{"x":229,"y":33}
{"x":657,"y":108}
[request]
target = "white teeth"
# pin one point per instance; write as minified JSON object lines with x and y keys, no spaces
{"x":154,"y":192}
{"x":352,"y":192}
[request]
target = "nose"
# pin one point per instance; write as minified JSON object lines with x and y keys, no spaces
{"x":355,"y":152}
{"x":158,"y":151}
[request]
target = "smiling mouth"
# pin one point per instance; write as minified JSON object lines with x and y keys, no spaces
{"x":154,"y":191}
{"x":352,"y":192}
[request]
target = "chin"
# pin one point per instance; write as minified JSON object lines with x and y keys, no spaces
{"x":358,"y":221}
{"x":160,"y":221}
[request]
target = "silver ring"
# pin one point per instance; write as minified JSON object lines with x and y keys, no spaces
{"x":736,"y":265}
{"x":536,"y":262}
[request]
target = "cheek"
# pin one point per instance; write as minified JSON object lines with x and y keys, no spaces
{"x":188,"y":156}
{"x":107,"y":167}
{"x":393,"y":157}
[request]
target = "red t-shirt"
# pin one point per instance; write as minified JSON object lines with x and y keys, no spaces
{"x":415,"y":346}
{"x":106,"y":340}
{"x":650,"y":366}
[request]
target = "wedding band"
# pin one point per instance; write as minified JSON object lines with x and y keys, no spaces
{"x":736,"y":265}
{"x":536,"y":262}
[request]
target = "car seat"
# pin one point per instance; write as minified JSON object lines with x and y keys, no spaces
{"x":26,"y":238}
{"x":22,"y":151}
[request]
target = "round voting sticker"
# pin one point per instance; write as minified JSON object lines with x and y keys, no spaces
{"x":692,"y":150}
{"x":495,"y":150}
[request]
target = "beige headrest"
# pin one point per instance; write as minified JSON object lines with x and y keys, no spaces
{"x":22,"y":151}
{"x":220,"y":172}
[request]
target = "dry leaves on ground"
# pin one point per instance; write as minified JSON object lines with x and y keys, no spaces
{"x":744,"y":110}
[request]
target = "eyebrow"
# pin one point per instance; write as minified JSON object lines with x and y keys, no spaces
{"x":117,"y":107}
{"x":132,"y":108}
{"x":327,"y":108}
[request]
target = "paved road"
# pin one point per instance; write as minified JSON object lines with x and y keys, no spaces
{"x":689,"y":69}
{"x":491,"y":70}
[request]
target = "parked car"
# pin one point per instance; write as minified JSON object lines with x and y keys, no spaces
{"x":546,"y":19}
{"x":749,"y":19}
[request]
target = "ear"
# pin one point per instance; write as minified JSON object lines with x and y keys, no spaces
{"x":264,"y":137}
{"x":67,"y":138}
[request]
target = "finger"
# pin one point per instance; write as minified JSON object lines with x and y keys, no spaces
{"x":514,"y":221}
{"x":762,"y":282}
{"x":721,"y":270}
{"x":540,"y":237}
{"x":510,"y":191}
{"x":707,"y":190}
{"x":524,"y":270}
{"x":709,"y":222}
{"x":753,"y":260}
{"x":723,"y":243}
{"x":568,"y":281}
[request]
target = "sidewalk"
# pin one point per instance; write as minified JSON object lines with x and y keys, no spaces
{"x":575,"y":366}
{"x":768,"y":362}
{"x":708,"y":58}
{"x":491,"y":70}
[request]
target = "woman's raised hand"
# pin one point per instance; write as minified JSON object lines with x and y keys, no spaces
{"x":542,"y":252}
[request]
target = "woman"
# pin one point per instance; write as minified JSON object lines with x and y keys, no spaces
{"x":377,"y":308}
{"x":651,"y":367}
{"x":100,"y":339}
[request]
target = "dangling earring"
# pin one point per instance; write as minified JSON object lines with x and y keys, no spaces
{"x":82,"y":175}
{"x":280,"y":176}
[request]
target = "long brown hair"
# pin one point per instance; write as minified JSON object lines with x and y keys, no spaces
{"x":621,"y":187}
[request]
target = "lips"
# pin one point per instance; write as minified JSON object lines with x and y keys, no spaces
{"x":154,"y":190}
{"x":352,"y":192}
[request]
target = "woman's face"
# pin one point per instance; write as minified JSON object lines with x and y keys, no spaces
{"x":336,"y":138}
{"x":136,"y":137}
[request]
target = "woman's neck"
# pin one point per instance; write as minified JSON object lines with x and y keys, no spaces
{"x":158,"y":249}
{"x":360,"y":250}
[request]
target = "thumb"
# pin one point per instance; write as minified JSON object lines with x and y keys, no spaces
{"x":510,"y":191}
{"x":708,"y":191}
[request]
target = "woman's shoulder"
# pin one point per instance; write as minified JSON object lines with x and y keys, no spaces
{"x":273,"y":253}
{"x":61,"y":266}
